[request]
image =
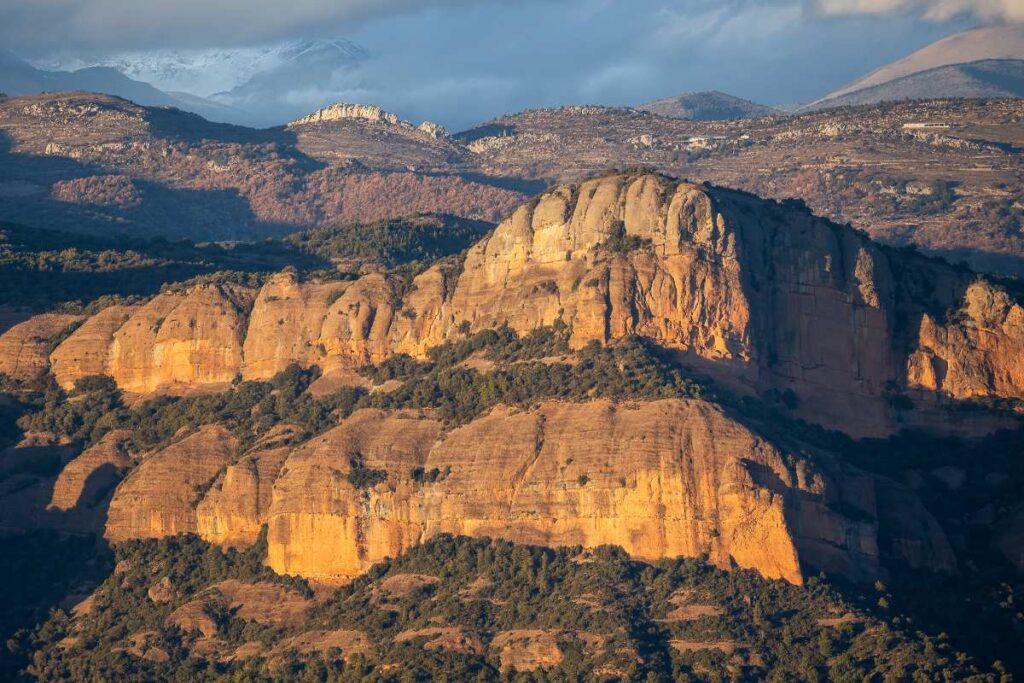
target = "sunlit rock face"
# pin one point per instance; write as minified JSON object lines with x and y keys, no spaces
{"x":762,"y":297}
{"x":661,"y":479}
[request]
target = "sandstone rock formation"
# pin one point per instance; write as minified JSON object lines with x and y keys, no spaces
{"x":976,"y":352}
{"x":85,"y":352}
{"x":25,"y":346}
{"x":236,"y":507}
{"x":182,"y":341}
{"x":158,"y":497}
{"x":764,"y":298}
{"x":661,"y":479}
{"x":87,"y":480}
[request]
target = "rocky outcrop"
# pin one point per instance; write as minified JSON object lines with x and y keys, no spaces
{"x":286,"y":325}
{"x":236,"y":506}
{"x":24,"y":347}
{"x":764,"y":298}
{"x":660,"y":479}
{"x":179,"y":342}
{"x":90,"y":478}
{"x":341,"y":111}
{"x":158,"y":498}
{"x":85,"y":352}
{"x":976,"y":352}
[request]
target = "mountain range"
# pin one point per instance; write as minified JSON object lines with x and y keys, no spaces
{"x":18,"y":77}
{"x":984,"y":62}
{"x":260,"y":86}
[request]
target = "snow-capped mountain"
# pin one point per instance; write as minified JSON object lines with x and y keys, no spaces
{"x":207,"y":72}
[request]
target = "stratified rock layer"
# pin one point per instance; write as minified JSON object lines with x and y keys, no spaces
{"x":158,"y":498}
{"x":24,"y":347}
{"x":85,"y":352}
{"x":182,"y":341}
{"x":764,"y":298}
{"x":660,"y":479}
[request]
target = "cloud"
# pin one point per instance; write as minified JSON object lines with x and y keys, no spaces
{"x":932,"y":10}
{"x":127,"y":24}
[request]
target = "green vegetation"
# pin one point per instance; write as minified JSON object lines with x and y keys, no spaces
{"x":251,"y":409}
{"x":422,"y":239}
{"x":631,"y":370}
{"x":38,"y":570}
{"x":363,"y":477}
{"x":44,"y":269}
{"x":612,"y":615}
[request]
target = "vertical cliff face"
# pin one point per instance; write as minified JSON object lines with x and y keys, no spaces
{"x":158,"y":498}
{"x":764,"y":298}
{"x":976,"y":352}
{"x":660,"y":479}
{"x":87,"y":480}
{"x":24,"y":347}
{"x":286,"y":325}
{"x":321,"y":524}
{"x":86,"y":351}
{"x":182,"y":341}
{"x":236,"y":506}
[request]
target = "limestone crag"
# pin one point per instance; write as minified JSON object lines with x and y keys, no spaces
{"x":764,"y":298}
{"x":661,"y":479}
{"x":342,"y":110}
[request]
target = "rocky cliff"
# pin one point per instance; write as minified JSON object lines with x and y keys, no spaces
{"x":660,"y":479}
{"x":764,"y":298}
{"x":159,"y":497}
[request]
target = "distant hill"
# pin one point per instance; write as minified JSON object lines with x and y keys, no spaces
{"x":989,"y":78}
{"x":989,"y":51}
{"x":710,"y":105}
{"x":254,"y":86}
{"x":18,"y":77}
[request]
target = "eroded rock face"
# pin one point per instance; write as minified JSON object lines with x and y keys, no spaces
{"x":88,"y":479}
{"x":976,"y":353}
{"x":286,"y":324}
{"x":660,"y":479}
{"x":342,"y":110}
{"x":85,"y":352}
{"x":764,"y":298}
{"x":24,"y":347}
{"x":158,"y":497}
{"x":237,"y":504}
{"x":182,"y":341}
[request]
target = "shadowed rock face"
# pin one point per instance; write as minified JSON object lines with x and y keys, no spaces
{"x":660,"y":479}
{"x":24,"y":347}
{"x":760,"y":296}
{"x":158,"y":498}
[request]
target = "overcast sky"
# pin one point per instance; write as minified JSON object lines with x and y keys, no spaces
{"x":464,"y":61}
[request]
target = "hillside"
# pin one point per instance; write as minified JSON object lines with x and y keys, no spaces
{"x":951,"y":191}
{"x":983,"y":79}
{"x":481,"y":610}
{"x":707,"y":106}
{"x":101,"y":165}
{"x":991,"y":43}
{"x":671,"y":368}
{"x":104,"y":166}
